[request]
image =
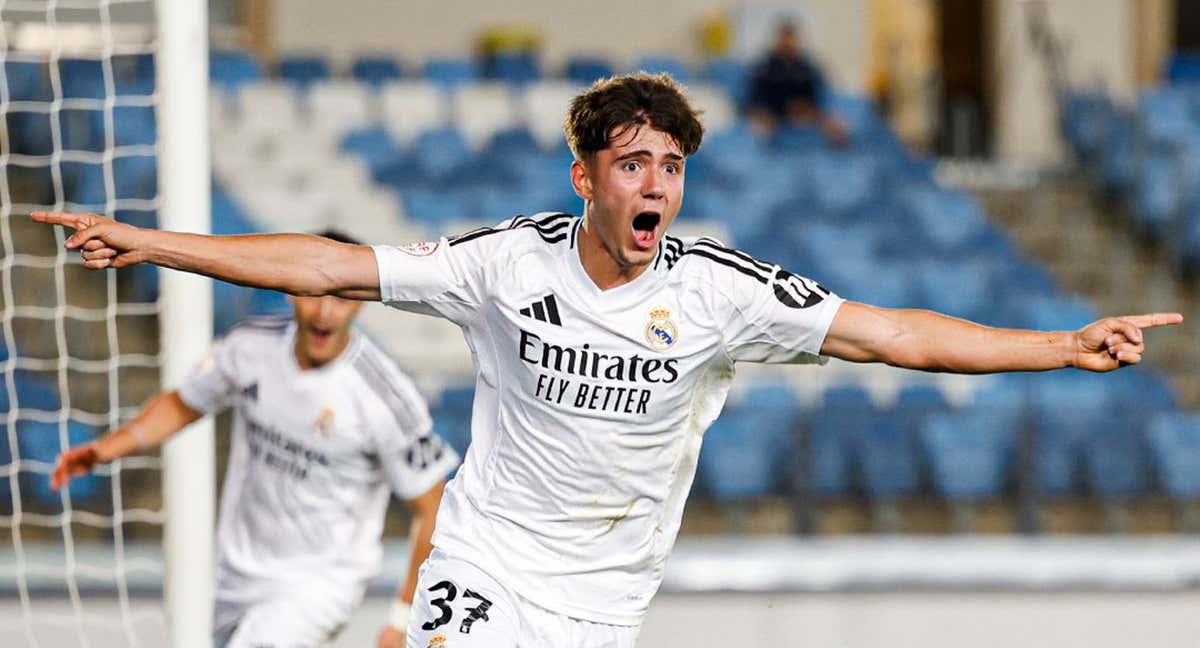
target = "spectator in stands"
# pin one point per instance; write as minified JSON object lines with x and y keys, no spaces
{"x":787,"y":86}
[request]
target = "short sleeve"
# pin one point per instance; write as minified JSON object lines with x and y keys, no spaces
{"x":412,"y":457}
{"x":453,"y":277}
{"x":768,"y":314}
{"x":211,"y":387}
{"x":446,"y":277}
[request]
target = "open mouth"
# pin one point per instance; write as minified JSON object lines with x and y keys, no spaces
{"x":645,"y":229}
{"x":320,"y":333}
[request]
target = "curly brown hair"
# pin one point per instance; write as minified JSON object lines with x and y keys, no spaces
{"x":611,"y":106}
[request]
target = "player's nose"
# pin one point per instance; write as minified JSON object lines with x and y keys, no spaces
{"x":654,"y":184}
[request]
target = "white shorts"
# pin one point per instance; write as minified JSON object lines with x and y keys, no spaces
{"x":300,"y":619}
{"x":458,"y":605}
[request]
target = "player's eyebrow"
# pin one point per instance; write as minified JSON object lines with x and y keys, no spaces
{"x":643,"y":153}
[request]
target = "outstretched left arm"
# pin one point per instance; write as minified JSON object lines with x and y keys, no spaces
{"x":929,"y":341}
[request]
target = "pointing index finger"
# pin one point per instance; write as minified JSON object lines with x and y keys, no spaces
{"x":66,"y":219}
{"x":1151,"y":320}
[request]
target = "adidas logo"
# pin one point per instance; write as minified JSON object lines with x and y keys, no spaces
{"x":543,"y":310}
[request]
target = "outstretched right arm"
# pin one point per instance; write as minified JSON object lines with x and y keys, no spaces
{"x":300,"y":264}
{"x":162,"y":417}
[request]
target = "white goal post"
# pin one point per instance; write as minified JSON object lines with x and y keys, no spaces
{"x":186,"y":317}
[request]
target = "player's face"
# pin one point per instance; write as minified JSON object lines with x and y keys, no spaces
{"x":322,"y":328}
{"x":634,"y":189}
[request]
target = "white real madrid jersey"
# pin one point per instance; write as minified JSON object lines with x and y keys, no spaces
{"x":313,"y":457}
{"x":590,"y":405}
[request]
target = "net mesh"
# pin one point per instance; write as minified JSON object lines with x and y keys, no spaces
{"x":80,"y":349}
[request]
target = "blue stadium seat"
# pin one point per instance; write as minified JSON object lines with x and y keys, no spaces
{"x":888,"y":457}
{"x":29,"y":132}
{"x":1055,"y":312}
{"x":513,"y":141}
{"x":1183,"y":67}
{"x":831,"y":245}
{"x":733,"y":154}
{"x":38,"y":441}
{"x":135,"y":177}
{"x":1118,"y":166}
{"x":539,"y":171}
{"x":842,"y":181}
{"x":81,"y":78}
{"x":27,"y":81}
{"x":83,"y":183}
{"x":451,"y":72}
{"x":435,"y":208}
{"x":871,"y":282}
{"x":1154,"y":391}
{"x":748,"y":449}
{"x":1174,"y":440}
{"x":440,"y":151}
{"x":517,"y":68}
{"x":706,"y":202}
{"x":792,"y":138}
{"x":498,"y":203}
{"x":583,"y":70}
{"x":858,"y":114}
{"x":1066,"y":408}
{"x":233,"y":304}
{"x":1005,"y":393}
{"x":961,"y":289}
{"x":303,"y":70}
{"x":915,"y":403}
{"x":731,"y":76}
{"x":133,"y":74}
{"x":844,"y":411}
{"x":887,"y":444}
{"x":970,"y":453}
{"x":657,"y":64}
{"x":376,"y":69}
{"x":1156,"y":193}
{"x":230,"y":69}
{"x":142,"y":279}
{"x":1114,"y":458}
{"x":452,"y":417}
{"x":950,"y":223}
{"x":81,"y":130}
{"x":374,"y":145}
{"x":1165,"y":116}
{"x":134,"y":126}
{"x":1087,"y":119}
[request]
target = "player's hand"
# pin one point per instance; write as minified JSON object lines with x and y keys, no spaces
{"x":101,"y":241}
{"x":74,"y":462}
{"x":391,"y":637}
{"x":1117,"y":341}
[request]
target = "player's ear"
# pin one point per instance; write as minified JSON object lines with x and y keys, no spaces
{"x":581,"y":180}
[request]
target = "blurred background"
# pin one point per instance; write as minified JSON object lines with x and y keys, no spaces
{"x":1022,"y":163}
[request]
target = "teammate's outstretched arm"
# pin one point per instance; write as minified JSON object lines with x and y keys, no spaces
{"x":929,"y":341}
{"x":161,"y":418}
{"x":424,"y":508}
{"x":300,"y":264}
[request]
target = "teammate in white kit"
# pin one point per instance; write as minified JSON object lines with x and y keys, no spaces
{"x":326,"y":428}
{"x":603,"y":350}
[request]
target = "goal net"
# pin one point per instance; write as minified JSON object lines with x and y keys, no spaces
{"x":80,"y":351}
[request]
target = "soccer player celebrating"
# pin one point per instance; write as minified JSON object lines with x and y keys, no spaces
{"x":603,"y":349}
{"x":325,"y":422}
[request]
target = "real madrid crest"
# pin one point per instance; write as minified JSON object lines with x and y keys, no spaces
{"x":661,"y":332}
{"x":324,"y":423}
